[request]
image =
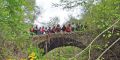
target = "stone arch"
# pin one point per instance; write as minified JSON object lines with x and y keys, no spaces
{"x":59,"y":42}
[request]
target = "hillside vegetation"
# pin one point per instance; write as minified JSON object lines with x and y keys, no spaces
{"x":16,"y":41}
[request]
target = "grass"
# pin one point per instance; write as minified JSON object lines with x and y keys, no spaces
{"x":61,"y":53}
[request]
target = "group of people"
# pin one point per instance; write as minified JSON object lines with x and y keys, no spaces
{"x":54,"y":29}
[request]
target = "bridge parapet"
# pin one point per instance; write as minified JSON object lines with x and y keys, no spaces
{"x":85,"y":38}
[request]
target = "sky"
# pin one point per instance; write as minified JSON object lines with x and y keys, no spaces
{"x":48,"y":11}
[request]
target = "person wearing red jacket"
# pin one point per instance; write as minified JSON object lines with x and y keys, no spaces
{"x":68,"y":28}
{"x":43,"y":30}
{"x":32,"y":29}
{"x":58,"y":28}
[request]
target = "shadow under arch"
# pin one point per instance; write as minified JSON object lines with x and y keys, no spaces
{"x":59,"y":42}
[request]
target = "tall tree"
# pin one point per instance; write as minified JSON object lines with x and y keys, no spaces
{"x":12,"y":16}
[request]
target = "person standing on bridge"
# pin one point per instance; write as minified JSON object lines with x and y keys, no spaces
{"x":53,"y":29}
{"x":58,"y":28}
{"x":42,"y":30}
{"x":46,"y":30}
{"x":35,"y":29}
{"x":63,"y":28}
{"x":49,"y":30}
{"x":69,"y":28}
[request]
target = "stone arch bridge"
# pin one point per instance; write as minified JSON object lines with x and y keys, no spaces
{"x":78,"y":39}
{"x":51,"y":41}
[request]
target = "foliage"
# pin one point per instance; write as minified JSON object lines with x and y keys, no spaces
{"x":14,"y":35}
{"x":98,"y":15}
{"x":13,"y":28}
{"x":103,"y":15}
{"x":71,"y":4}
{"x":12,"y":15}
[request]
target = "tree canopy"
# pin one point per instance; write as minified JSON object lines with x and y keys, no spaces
{"x":98,"y":14}
{"x":12,"y":17}
{"x":103,"y":14}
